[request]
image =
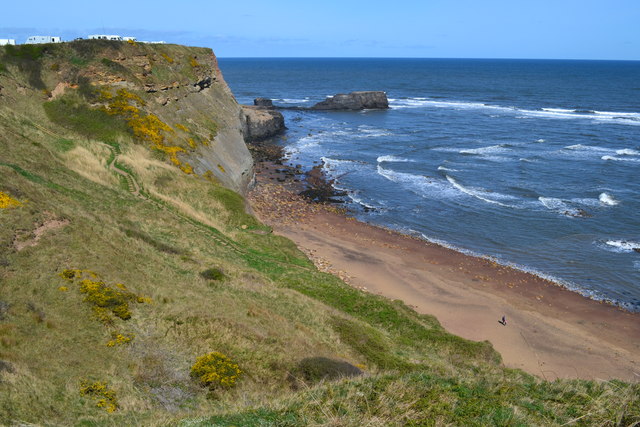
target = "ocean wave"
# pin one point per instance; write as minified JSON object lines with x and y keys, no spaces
{"x":418,"y":184}
{"x":358,"y":200}
{"x":628,"y":118}
{"x":365,"y":131}
{"x":442,"y":168}
{"x":628,"y":152}
{"x":541,"y":140}
{"x":479,"y":194}
{"x":561,"y":206}
{"x":580,"y":147}
{"x":391,"y":158}
{"x":607,"y":199}
{"x":485,"y":150}
{"x":620,"y":246}
{"x":619,"y":159}
{"x":292,"y":100}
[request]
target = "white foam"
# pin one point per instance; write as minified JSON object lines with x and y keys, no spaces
{"x":484,"y":150}
{"x":442,"y":168}
{"x":620,"y":159}
{"x":354,"y":197}
{"x":607,"y":199}
{"x":628,"y":152}
{"x":557,"y":110}
{"x":540,"y":140}
{"x":292,"y":100}
{"x":478,"y":194}
{"x":419,"y":184}
{"x":392,"y":158}
{"x":558,"y":205}
{"x":580,"y":147}
{"x":628,"y":118}
{"x":622,"y":246}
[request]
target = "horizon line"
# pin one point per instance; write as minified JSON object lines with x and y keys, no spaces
{"x":427,"y":57}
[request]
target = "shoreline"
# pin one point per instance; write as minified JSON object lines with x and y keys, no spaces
{"x":551,"y":331}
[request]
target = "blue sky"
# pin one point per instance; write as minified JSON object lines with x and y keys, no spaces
{"x":555,"y":29}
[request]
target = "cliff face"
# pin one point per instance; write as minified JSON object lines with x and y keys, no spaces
{"x":170,"y":98}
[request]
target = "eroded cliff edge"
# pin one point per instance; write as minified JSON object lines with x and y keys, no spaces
{"x":171,"y":98}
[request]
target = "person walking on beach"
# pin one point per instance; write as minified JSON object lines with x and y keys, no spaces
{"x":503,"y":321}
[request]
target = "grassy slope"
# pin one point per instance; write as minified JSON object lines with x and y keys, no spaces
{"x":272,"y":310}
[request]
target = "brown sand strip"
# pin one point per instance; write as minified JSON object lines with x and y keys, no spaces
{"x":550,"y":332}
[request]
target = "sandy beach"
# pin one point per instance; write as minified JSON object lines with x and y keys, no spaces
{"x":550,"y":332}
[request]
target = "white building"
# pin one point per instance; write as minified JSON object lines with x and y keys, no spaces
{"x":105,"y":37}
{"x":4,"y":42}
{"x":129,"y":39}
{"x":43,"y":39}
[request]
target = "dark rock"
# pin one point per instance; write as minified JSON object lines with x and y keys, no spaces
{"x":319,"y":189}
{"x":204,"y":83}
{"x":260,"y":123}
{"x":354,"y":101}
{"x":263,"y":102}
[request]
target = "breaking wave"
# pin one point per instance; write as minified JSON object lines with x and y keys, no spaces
{"x":627,"y":118}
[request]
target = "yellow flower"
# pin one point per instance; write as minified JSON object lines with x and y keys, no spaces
{"x":7,"y":201}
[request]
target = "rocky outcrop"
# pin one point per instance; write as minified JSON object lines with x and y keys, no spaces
{"x":263,"y":102}
{"x":354,"y":101}
{"x":261,"y":121}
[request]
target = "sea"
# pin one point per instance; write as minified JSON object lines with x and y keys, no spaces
{"x":532,"y":163}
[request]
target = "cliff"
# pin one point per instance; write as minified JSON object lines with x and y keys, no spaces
{"x":197,"y":123}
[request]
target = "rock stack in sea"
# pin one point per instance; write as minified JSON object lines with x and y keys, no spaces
{"x":354,"y":101}
{"x":261,"y":120}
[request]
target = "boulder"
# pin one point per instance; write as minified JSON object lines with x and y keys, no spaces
{"x":354,"y":101}
{"x":260,"y":123}
{"x":263,"y":102}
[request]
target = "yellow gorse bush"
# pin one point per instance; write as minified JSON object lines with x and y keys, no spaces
{"x":6,"y":201}
{"x":215,"y":370}
{"x":100,"y":391}
{"x":119,"y":339}
{"x":107,"y":301}
{"x":145,"y":127}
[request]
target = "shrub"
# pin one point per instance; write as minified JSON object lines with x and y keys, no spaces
{"x":213,"y":274}
{"x":314,"y":369}
{"x":99,"y":391}
{"x":106,"y":300}
{"x":119,"y":339}
{"x":6,"y":201}
{"x":24,"y":51}
{"x":215,"y":370}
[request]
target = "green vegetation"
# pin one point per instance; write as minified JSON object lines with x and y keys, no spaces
{"x":225,"y":294}
{"x":74,"y":114}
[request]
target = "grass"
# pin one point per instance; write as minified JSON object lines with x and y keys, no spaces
{"x":273,"y":313}
{"x":74,"y":114}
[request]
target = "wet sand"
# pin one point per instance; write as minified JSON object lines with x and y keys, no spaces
{"x":550,"y":332}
